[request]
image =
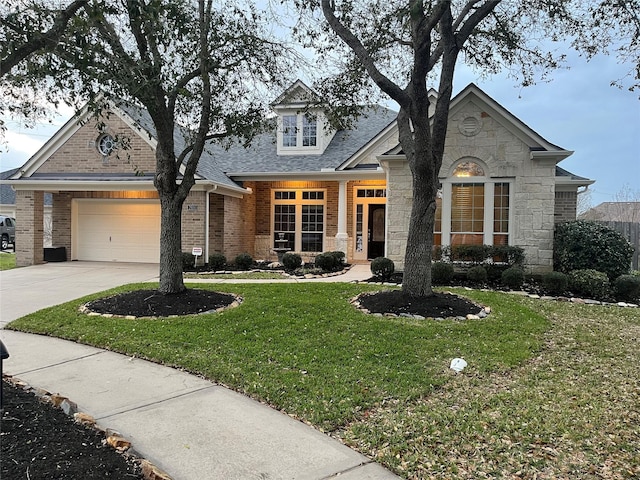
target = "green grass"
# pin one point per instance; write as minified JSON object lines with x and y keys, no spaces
{"x":7,"y":261}
{"x":237,"y":276}
{"x":551,"y":389}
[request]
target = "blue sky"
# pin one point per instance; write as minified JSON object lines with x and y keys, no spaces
{"x":577,"y":110}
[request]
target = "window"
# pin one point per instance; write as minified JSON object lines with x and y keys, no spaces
{"x":106,"y":144}
{"x":299,"y":215}
{"x":309,"y":128}
{"x":289,"y":131}
{"x":299,"y":131}
{"x":473,"y":210}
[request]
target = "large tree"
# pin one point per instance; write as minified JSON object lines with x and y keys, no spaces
{"x":196,"y":66}
{"x":401,"y":46}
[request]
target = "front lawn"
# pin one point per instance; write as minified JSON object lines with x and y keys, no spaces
{"x":551,"y":389}
{"x":7,"y":261}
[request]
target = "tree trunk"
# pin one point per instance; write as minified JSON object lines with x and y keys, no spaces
{"x":424,"y":168}
{"x":171,"y":280}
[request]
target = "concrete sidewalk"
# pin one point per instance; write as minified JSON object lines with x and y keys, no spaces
{"x":187,"y":426}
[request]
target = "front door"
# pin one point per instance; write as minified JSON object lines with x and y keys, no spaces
{"x":376,"y":231}
{"x":369,"y":223}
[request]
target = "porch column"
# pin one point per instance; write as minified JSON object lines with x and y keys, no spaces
{"x":342,"y":237}
{"x":29,"y":227}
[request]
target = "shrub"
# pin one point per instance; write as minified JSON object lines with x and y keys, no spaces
{"x":509,"y":254}
{"x":441,"y":273}
{"x":291,"y":261}
{"x":555,"y":283}
{"x":590,"y":283}
{"x":217,"y":261}
{"x":627,"y":288}
{"x":581,"y":245}
{"x":187,"y":261}
{"x":470,"y":253}
{"x":477,"y":274}
{"x":243,"y":261}
{"x":339,"y":257}
{"x":513,"y":277}
{"x":382,"y":267}
{"x":326,"y":262}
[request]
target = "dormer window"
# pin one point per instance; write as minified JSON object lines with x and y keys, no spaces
{"x":289,"y":131}
{"x":299,"y":130}
{"x":309,"y":132}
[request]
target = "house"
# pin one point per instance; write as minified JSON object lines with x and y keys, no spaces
{"x":322,"y":190}
{"x":8,"y":204}
{"x":614,"y":212}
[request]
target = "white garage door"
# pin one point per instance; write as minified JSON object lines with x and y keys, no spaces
{"x":118,"y":230}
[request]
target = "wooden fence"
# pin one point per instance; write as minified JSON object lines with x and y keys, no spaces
{"x":631,"y":231}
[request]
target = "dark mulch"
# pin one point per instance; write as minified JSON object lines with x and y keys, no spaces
{"x":39,"y":441}
{"x":439,"y":305}
{"x":151,"y":303}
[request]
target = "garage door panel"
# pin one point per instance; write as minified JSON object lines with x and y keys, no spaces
{"x":123,"y":231}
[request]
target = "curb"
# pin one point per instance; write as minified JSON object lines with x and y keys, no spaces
{"x":111,"y":437}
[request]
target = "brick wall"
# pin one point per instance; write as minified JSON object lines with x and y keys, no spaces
{"x":61,"y":221}
{"x":80,"y":155}
{"x":565,"y":206}
{"x":193,"y":221}
{"x":30,"y":227}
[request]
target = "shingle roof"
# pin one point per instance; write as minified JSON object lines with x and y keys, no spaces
{"x":8,"y":194}
{"x":261,"y":157}
{"x":614,"y":212}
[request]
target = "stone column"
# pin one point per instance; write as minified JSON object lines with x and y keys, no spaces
{"x":342,"y":237}
{"x":29,"y":227}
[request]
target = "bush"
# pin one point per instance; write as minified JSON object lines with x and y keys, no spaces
{"x":555,"y":283}
{"x":470,"y":253}
{"x":627,"y":288}
{"x":477,"y":274}
{"x":187,"y":261}
{"x":581,"y":245}
{"x":291,"y":261}
{"x":382,"y":267}
{"x":590,"y":283}
{"x":441,"y":273}
{"x":217,"y":261}
{"x":244,"y":261}
{"x":330,"y":261}
{"x":509,"y":254}
{"x":513,"y":277}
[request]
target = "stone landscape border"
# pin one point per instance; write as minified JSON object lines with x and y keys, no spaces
{"x":111,"y":437}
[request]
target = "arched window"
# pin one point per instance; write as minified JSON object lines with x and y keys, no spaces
{"x":473,"y":209}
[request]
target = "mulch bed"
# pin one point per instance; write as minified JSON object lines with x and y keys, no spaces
{"x":439,"y":305}
{"x":151,"y":303}
{"x":39,"y":441}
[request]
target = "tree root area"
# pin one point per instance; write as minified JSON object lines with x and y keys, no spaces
{"x":439,"y":305}
{"x":151,"y":303}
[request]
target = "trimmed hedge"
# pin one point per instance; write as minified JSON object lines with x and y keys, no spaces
{"x":555,"y":283}
{"x":291,"y":261}
{"x":243,"y":261}
{"x":590,"y":283}
{"x":627,"y":288}
{"x":513,"y":277}
{"x":477,"y":274}
{"x":217,"y":261}
{"x":441,"y":273}
{"x":382,"y":267}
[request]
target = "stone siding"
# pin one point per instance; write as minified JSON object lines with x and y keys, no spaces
{"x":505,"y":157}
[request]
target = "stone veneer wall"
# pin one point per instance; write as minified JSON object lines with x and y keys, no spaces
{"x":506,"y":157}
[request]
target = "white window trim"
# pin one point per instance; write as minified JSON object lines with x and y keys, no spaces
{"x":489,"y":189}
{"x":299,"y":148}
{"x":299,"y":202}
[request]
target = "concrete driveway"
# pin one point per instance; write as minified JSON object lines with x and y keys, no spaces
{"x":28,"y":289}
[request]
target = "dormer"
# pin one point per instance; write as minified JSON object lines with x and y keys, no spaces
{"x":302,"y":125}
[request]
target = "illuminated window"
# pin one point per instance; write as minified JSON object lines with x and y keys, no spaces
{"x":299,"y":215}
